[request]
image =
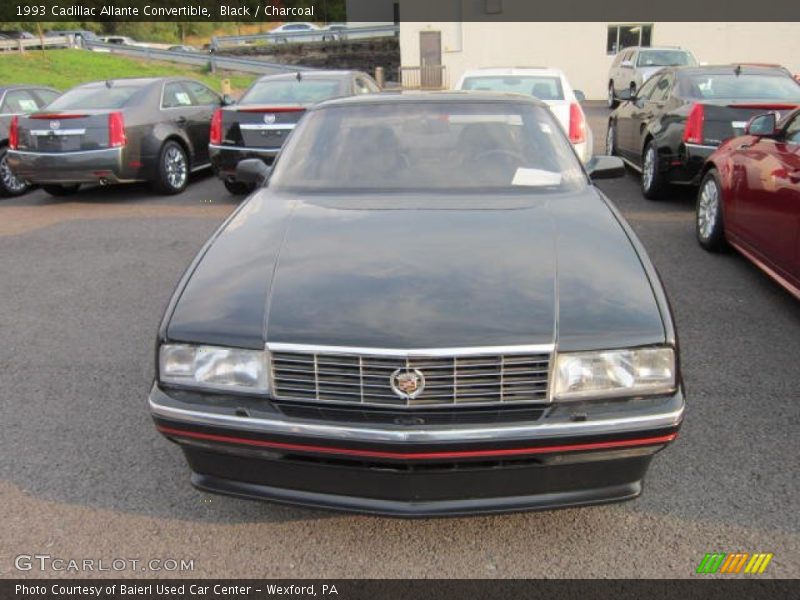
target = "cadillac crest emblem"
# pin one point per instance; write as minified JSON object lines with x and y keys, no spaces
{"x":407,"y":383}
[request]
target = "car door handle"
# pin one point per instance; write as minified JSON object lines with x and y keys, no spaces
{"x":744,"y":146}
{"x":181,"y":120}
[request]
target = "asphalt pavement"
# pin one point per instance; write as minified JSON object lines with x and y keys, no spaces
{"x":84,"y":475}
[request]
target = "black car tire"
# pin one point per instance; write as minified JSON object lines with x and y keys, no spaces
{"x":709,"y":223}
{"x":61,"y":190}
{"x":653,"y":182}
{"x":238,"y":188}
{"x":10,"y":185}
{"x":612,"y":100}
{"x":611,"y":139}
{"x":172,"y":176}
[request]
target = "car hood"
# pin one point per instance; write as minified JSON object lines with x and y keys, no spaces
{"x":425,"y":272}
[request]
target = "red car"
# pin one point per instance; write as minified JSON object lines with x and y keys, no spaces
{"x":749,"y":197}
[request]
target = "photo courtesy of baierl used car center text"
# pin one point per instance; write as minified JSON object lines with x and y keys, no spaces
{"x":399,"y":299}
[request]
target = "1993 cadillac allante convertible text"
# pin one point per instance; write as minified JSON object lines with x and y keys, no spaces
{"x":427,"y":309}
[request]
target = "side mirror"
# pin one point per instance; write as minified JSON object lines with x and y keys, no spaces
{"x":252,"y":170}
{"x":762,"y":125}
{"x":579,"y":95}
{"x":227,"y":100}
{"x":626,"y":64}
{"x":605,"y":167}
{"x":625,"y":94}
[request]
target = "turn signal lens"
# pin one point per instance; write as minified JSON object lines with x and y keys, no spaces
{"x":13,"y":133}
{"x":215,"y":136}
{"x":116,"y":130}
{"x":693,"y":133}
{"x":577,"y":124}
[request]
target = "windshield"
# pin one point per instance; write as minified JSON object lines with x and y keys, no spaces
{"x":307,"y":91}
{"x":664,"y":58}
{"x":429,"y":146}
{"x":95,"y":97}
{"x":544,"y":88}
{"x":729,"y":86}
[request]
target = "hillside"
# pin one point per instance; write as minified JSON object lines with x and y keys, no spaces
{"x":63,"y":69}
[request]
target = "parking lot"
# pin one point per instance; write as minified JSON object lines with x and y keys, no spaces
{"x":85,"y":474}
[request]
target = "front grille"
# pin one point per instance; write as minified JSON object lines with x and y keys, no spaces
{"x":460,"y":379}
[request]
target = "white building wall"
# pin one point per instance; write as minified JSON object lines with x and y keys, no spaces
{"x":580,"y":48}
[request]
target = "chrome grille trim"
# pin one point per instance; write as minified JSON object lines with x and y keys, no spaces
{"x":479,"y":376}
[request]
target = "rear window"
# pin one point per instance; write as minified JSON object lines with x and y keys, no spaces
{"x":729,"y":86}
{"x":664,"y":58}
{"x":453,"y":147}
{"x":47,"y":95}
{"x":292,"y":92}
{"x":544,"y":88}
{"x":93,"y":97}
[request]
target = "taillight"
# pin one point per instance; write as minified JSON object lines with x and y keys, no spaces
{"x":13,"y":133}
{"x":215,"y":136}
{"x":693,"y":133}
{"x":577,"y":124}
{"x":116,"y":130}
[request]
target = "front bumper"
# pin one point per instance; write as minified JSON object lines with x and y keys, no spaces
{"x":87,"y":166}
{"x":225,"y":158}
{"x":573,"y":455}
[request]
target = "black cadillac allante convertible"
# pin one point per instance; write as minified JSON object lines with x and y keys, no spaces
{"x":426,"y":308}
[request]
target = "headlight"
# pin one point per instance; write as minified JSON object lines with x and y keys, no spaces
{"x":614,"y":373}
{"x":213,"y":367}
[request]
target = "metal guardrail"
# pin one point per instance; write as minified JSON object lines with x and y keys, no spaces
{"x":46,"y":42}
{"x":314,"y":35}
{"x":203,"y":59}
{"x":424,"y":78}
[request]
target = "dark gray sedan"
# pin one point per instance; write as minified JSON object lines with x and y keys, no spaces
{"x":116,"y":131}
{"x":259,"y":124}
{"x":16,"y":100}
{"x":429,"y":309}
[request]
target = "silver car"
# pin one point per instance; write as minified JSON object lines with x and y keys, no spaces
{"x":633,"y":66}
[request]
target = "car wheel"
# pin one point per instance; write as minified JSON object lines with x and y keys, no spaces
{"x":10,"y":185}
{"x":173,"y":169}
{"x":611,"y":139}
{"x":61,"y":190}
{"x":237,"y":188}
{"x":709,"y":225}
{"x":653,"y":183}
{"x":612,"y":101}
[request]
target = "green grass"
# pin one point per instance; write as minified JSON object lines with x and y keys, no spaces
{"x":63,"y":69}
